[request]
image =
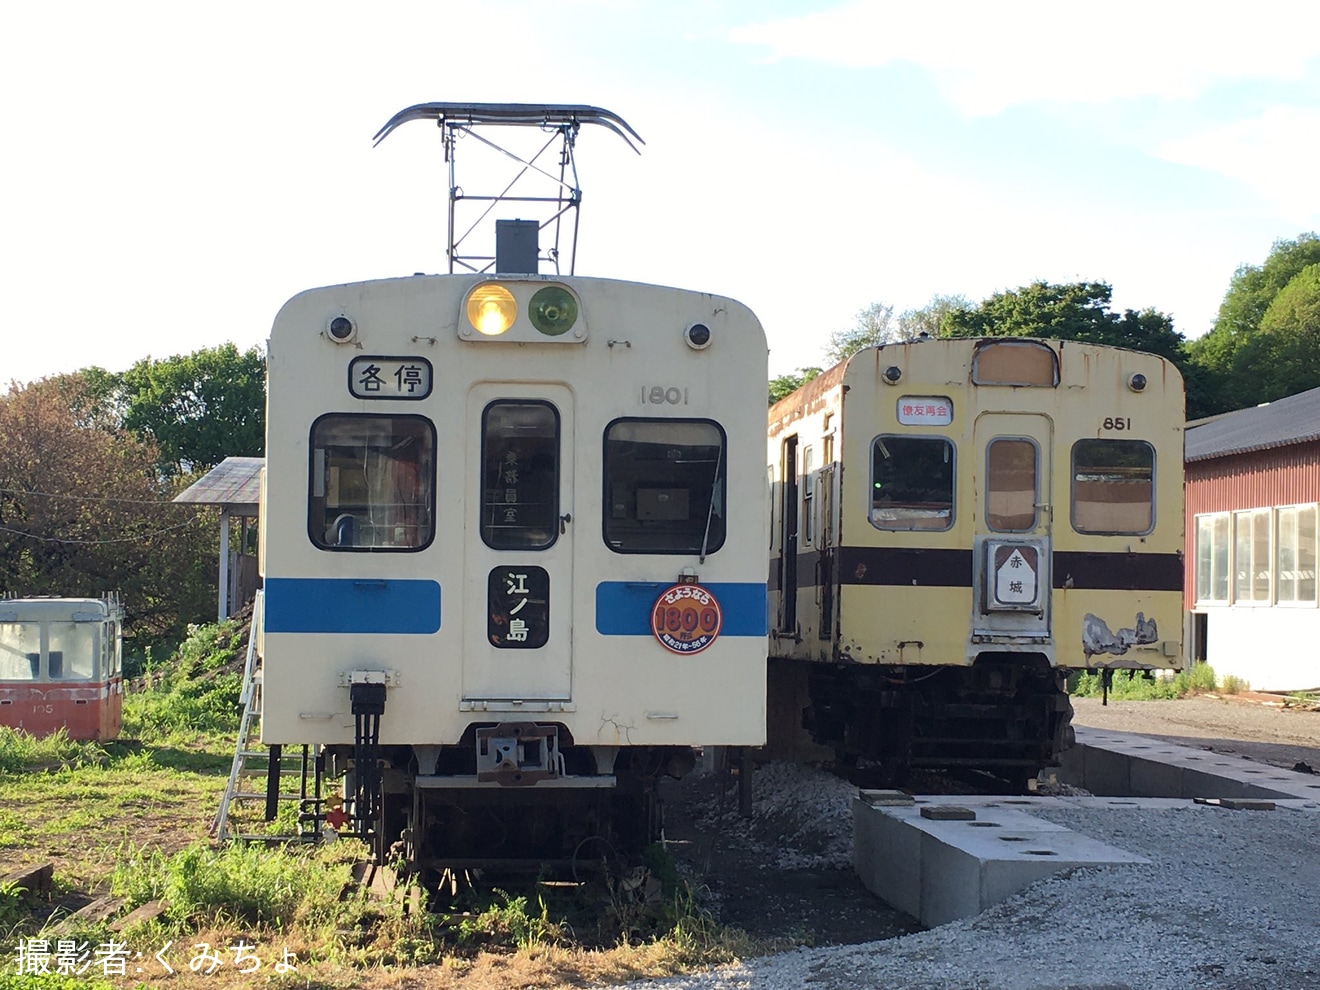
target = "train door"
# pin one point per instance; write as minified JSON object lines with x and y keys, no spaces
{"x":518,"y":545}
{"x":1014,"y":516}
{"x":788,"y":542}
{"x":828,"y":542}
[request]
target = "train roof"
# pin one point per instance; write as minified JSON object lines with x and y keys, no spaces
{"x":48,"y":607}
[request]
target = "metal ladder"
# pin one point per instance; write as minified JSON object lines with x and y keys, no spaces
{"x":253,"y":759}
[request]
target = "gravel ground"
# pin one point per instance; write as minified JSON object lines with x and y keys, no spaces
{"x":1230,"y":899}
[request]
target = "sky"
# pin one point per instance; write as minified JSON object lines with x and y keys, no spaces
{"x":173,"y":172}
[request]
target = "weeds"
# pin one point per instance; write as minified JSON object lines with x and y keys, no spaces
{"x":1232,"y":684}
{"x":244,"y":883}
{"x":1135,"y":685}
{"x":21,"y":751}
{"x":50,"y":981}
{"x":198,"y":693}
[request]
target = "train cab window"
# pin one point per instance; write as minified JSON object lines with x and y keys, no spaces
{"x":372,"y":482}
{"x":519,"y":475}
{"x":911,"y":482}
{"x":1113,"y":486}
{"x":664,"y":486}
{"x":1011,"y":484}
{"x":1015,"y":362}
{"x":72,"y":652}
{"x":20,"y":651}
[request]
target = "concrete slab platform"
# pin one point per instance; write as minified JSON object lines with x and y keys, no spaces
{"x":1120,"y":763}
{"x":939,"y":869}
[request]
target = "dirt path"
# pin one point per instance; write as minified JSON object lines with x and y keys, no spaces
{"x":1255,"y":726}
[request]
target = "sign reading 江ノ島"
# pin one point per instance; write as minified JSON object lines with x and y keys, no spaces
{"x":518,"y":607}
{"x":686,"y":618}
{"x":379,"y":377}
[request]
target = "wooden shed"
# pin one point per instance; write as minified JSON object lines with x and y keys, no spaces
{"x":1253,"y":485}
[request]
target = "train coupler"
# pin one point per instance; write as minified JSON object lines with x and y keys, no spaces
{"x":518,"y":754}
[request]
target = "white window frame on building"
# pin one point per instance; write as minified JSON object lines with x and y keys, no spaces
{"x":1259,"y":557}
{"x":1295,"y":582}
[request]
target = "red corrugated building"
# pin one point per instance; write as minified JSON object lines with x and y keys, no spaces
{"x":1253,"y":484}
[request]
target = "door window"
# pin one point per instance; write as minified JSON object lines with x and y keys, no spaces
{"x":1011,"y":485}
{"x":520,"y":475}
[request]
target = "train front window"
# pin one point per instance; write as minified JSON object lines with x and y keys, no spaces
{"x":372,"y":482}
{"x":20,"y":651}
{"x":1113,"y":486}
{"x":72,"y":652}
{"x":519,"y":475}
{"x":1010,"y":485}
{"x":664,"y":486}
{"x":911,"y":482}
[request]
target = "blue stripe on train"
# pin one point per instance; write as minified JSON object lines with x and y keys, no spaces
{"x":623,"y":608}
{"x":348,"y":605}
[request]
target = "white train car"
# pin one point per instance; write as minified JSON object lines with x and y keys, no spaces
{"x":514,"y":552}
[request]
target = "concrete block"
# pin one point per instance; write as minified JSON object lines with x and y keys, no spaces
{"x":887,"y":857}
{"x":948,"y":813}
{"x":938,"y":869}
{"x":1152,"y":778}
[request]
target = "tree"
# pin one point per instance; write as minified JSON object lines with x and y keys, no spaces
{"x":790,"y":383}
{"x":1283,"y":356}
{"x":198,"y":408}
{"x":1229,"y":356}
{"x":929,"y":319}
{"x":84,"y":510}
{"x":873,"y":325}
{"x":876,"y":325}
{"x":1072,"y":311}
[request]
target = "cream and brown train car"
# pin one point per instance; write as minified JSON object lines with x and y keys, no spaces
{"x":957,"y":524}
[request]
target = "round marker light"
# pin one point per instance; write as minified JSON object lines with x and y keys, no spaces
{"x":893,"y":373}
{"x":553,"y":310}
{"x":1137,"y":382}
{"x":342,"y":330}
{"x":491,"y":309}
{"x":697,"y":336}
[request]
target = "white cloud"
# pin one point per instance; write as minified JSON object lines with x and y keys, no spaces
{"x":990,"y":56}
{"x":1275,"y":154}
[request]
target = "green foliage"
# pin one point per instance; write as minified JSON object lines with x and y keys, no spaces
{"x":876,"y":325}
{"x":1232,"y":684}
{"x":1073,"y":311}
{"x":1133,"y":685}
{"x":20,"y":751}
{"x":198,"y":691}
{"x":1264,"y":342}
{"x":83,"y":511}
{"x":10,"y":980}
{"x":509,"y":919}
{"x":198,"y":408}
{"x":240,"y":883}
{"x":13,"y":906}
{"x":786,"y":385}
{"x":873,"y":325}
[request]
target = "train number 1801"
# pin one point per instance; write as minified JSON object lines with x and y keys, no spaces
{"x":660,"y":395}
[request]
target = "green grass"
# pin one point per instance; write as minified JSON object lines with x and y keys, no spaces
{"x":20,"y":751}
{"x":131,"y":817}
{"x":1133,"y":685}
